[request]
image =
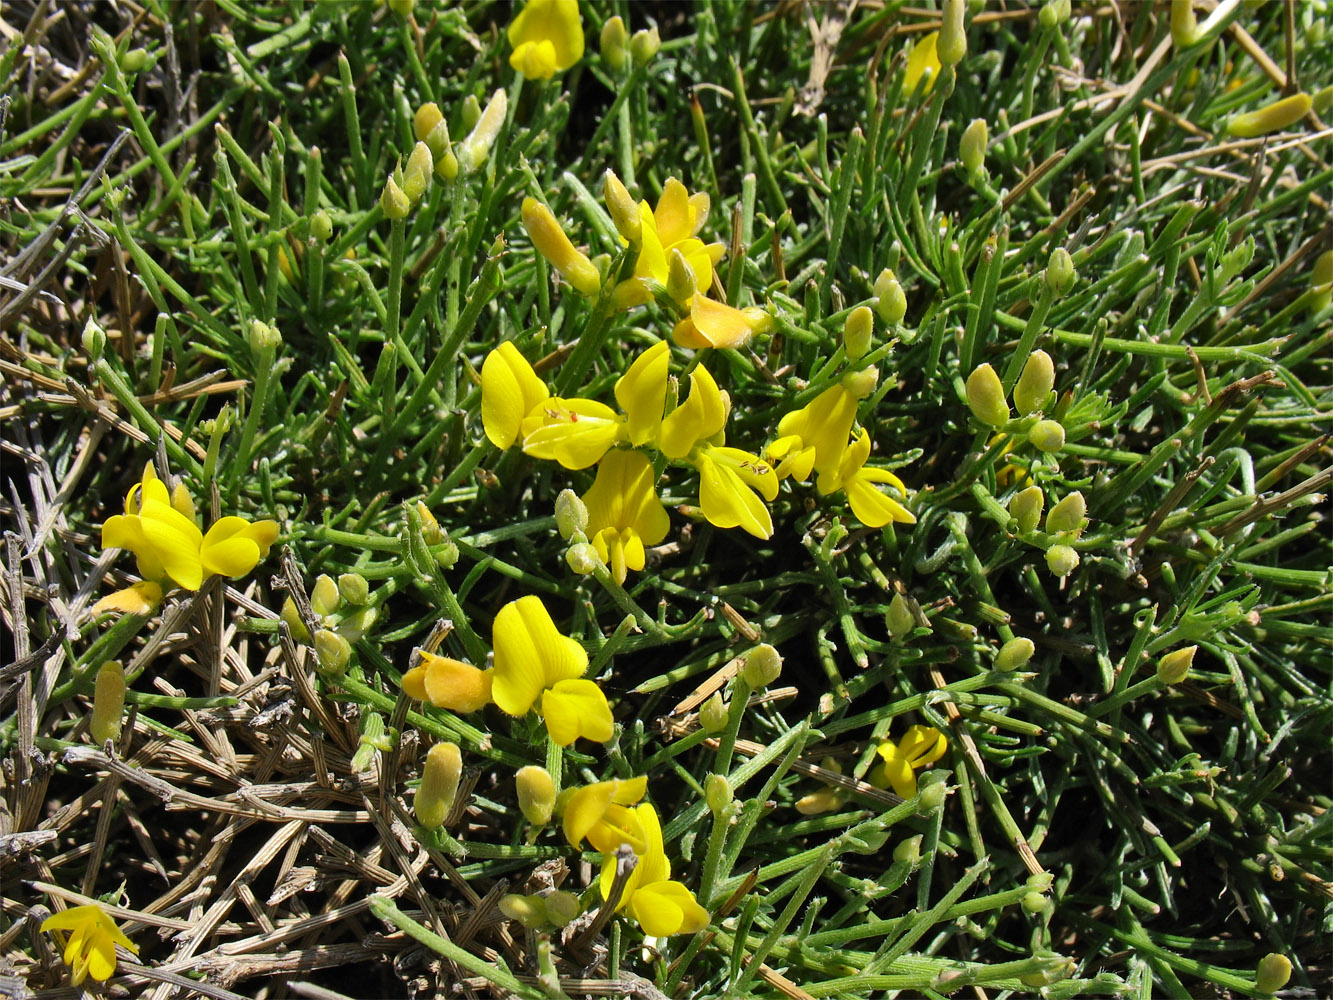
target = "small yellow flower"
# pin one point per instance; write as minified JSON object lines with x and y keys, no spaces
{"x":731,"y":481}
{"x":447,"y":683}
{"x":534,"y":661}
{"x":574,"y":432}
{"x":871,"y":507}
{"x":659,"y":905}
{"x":551,"y":242}
{"x":922,"y":61}
{"x":673,"y":225}
{"x":91,"y":947}
{"x":510,"y":390}
{"x":824,"y":425}
{"x":624,"y":513}
{"x":547,"y":36}
{"x":919,"y":747}
{"x":600,"y":814}
{"x":716,"y":324}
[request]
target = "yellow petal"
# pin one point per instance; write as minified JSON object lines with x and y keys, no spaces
{"x":413,"y":683}
{"x":641,"y":393}
{"x":873,"y":508}
{"x":229,"y":549}
{"x":574,"y":708}
{"x":703,"y":414}
{"x":719,"y":324}
{"x":530,"y":655}
{"x":510,"y":389}
{"x":535,"y":60}
{"x":142,"y":598}
{"x":922,"y":745}
{"x":624,"y":496}
{"x":554,"y":21}
{"x":459,"y":687}
{"x":727,"y":502}
{"x":574,"y":432}
{"x":630,"y":790}
{"x":664,"y":908}
{"x":584,"y":808}
{"x":824,"y":423}
{"x":922,"y":60}
{"x":674,"y":217}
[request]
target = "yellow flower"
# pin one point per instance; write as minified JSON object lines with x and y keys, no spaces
{"x":659,"y":905}
{"x":599,"y":813}
{"x":729,"y":480}
{"x":533,"y":660}
{"x":871,"y":507}
{"x":920,"y":746}
{"x":716,"y":324}
{"x":641,"y":393}
{"x":547,"y":37}
{"x":624,"y":513}
{"x":922,"y":61}
{"x":447,"y":683}
{"x":823,"y":425}
{"x":91,"y":947}
{"x":158,"y":527}
{"x":574,"y":432}
{"x":510,"y":390}
{"x":674,"y":225}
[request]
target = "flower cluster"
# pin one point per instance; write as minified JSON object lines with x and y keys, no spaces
{"x":160,"y":527}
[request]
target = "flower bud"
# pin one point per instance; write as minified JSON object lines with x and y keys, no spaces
{"x":622,"y":206}
{"x":972,"y":146}
{"x":1014,"y":654}
{"x":890,"y":300}
{"x":762,"y":666}
{"x":426,"y":118}
{"x":471,"y":111}
{"x":473,"y":150}
{"x":530,"y":911}
{"x":354,"y":589}
{"x":1068,"y":515}
{"x":985,"y":396}
{"x":931,"y":795}
{"x":1061,"y":560}
{"x":333,"y":651}
{"x":416,"y":175}
{"x":857,"y":332}
{"x":354,"y":626}
{"x":324,"y":596}
{"x":717,"y":793}
{"x":393,"y":203}
{"x":431,"y":531}
{"x":908,"y":851}
{"x":1054,"y":13}
{"x":614,"y":39}
{"x":681,"y":284}
{"x":1025,"y":508}
{"x":1321,"y":282}
{"x":321,"y":226}
{"x":1272,"y":117}
{"x":562,"y":907}
{"x":1047,"y":436}
{"x":1184,"y":26}
{"x":137,"y":60}
{"x":263,"y":337}
{"x":643,"y":45}
{"x":94,"y":339}
{"x":1040,"y":882}
{"x":898,"y":618}
{"x":582,"y":558}
{"x":439,"y":784}
{"x":820,"y":801}
{"x":713,"y":714}
{"x":552,"y":243}
{"x":952,"y":43}
{"x":1273,"y":973}
{"x":536,"y":794}
{"x":1174,"y":667}
{"x":293,"y":619}
{"x":1060,"y":272}
{"x":108,"y":702}
{"x":861,"y":384}
{"x":571,"y":515}
{"x":1035,"y":384}
{"x":1322,"y":99}
{"x":1035,"y":902}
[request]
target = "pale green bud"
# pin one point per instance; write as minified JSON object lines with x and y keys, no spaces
{"x":403,"y":8}
{"x":108,"y":702}
{"x":952,"y":43}
{"x":416,"y":175}
{"x":324,"y":596}
{"x":643,"y":45}
{"x":424,"y":121}
{"x":681,"y":284}
{"x":137,"y":60}
{"x":621,"y":205}
{"x":861,"y":384}
{"x":1322,"y":100}
{"x":614,"y":39}
{"x":1025,"y":508}
{"x":562,"y":907}
{"x":1041,"y":882}
{"x":898,"y":618}
{"x":352,"y":627}
{"x":536,"y":794}
{"x":931,"y":795}
{"x":1054,"y":13}
{"x":908,"y":851}
{"x":1061,"y":560}
{"x":763,"y":665}
{"x":1273,"y":973}
{"x":439,"y":785}
{"x":263,"y":337}
{"x":890,"y":299}
{"x":972,"y":146}
{"x":1014,"y":654}
{"x":717,"y":793}
{"x":431,"y":532}
{"x":530,"y":911}
{"x":1047,"y":436}
{"x":1184,"y":25}
{"x":571,"y":515}
{"x":1035,"y":902}
{"x":1069,"y":515}
{"x":293,"y":619}
{"x":985,"y":397}
{"x":321,"y":226}
{"x":471,"y":111}
{"x":354,"y":589}
{"x":393,"y":203}
{"x":1035,"y":384}
{"x":94,"y":339}
{"x":333,"y":651}
{"x":713,"y":714}
{"x":1060,"y":272}
{"x":1321,"y":281}
{"x":1174,"y":667}
{"x":857,"y":332}
{"x":582,"y":558}
{"x":473,"y":150}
